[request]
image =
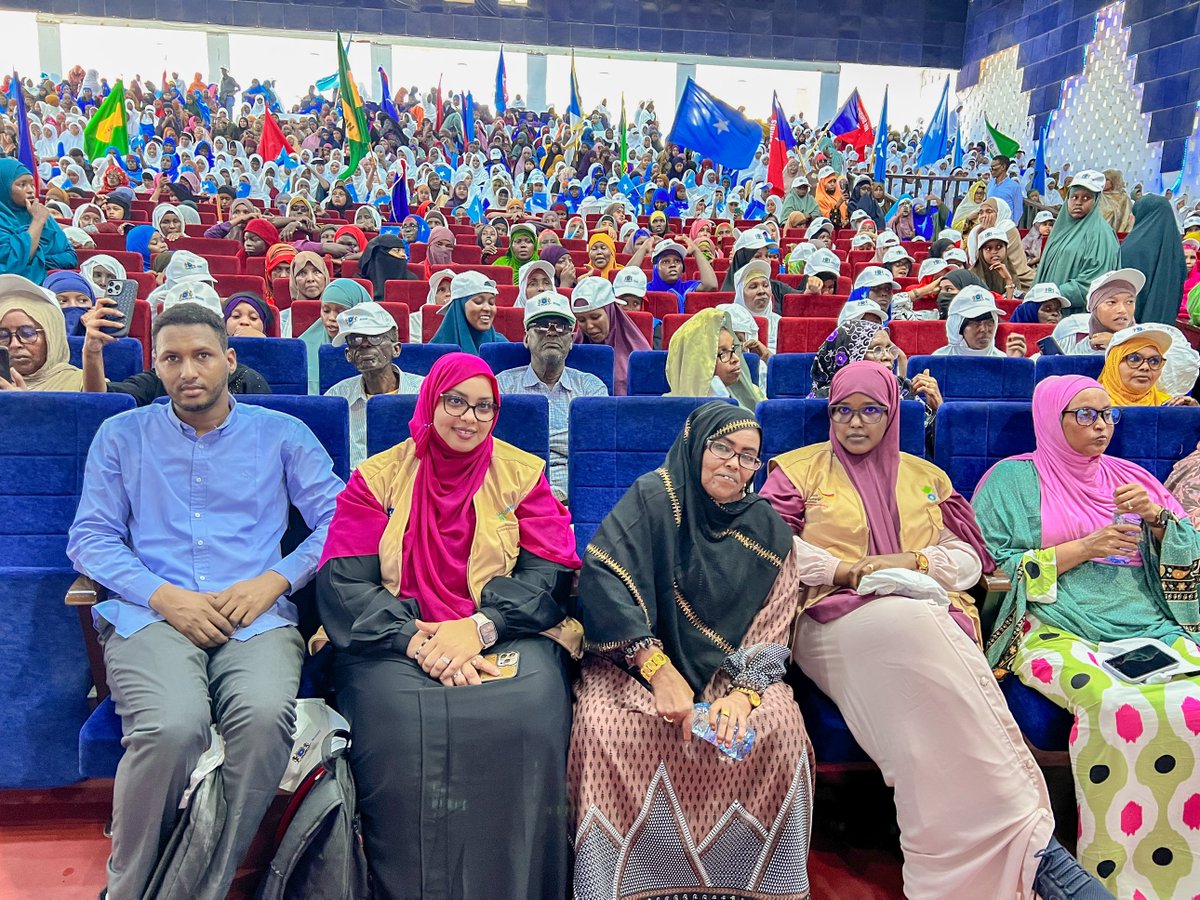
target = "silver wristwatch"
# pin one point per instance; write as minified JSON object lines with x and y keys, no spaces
{"x":487,"y":629}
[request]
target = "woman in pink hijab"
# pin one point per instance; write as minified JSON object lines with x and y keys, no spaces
{"x":1099,"y":552}
{"x":886,"y":550}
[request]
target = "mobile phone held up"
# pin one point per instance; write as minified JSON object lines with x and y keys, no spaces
{"x":123,"y":292}
{"x":5,"y":365}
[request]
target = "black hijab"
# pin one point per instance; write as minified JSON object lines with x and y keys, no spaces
{"x":867,"y":203}
{"x":379,"y":266}
{"x":670,"y":562}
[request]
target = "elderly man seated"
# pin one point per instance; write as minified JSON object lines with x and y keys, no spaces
{"x":549,"y":325}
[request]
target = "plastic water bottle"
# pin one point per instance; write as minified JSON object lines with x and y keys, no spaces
{"x":1120,"y":518}
{"x":742,"y":743}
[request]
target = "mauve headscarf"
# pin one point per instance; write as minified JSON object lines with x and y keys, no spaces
{"x":624,"y":337}
{"x":437,"y":255}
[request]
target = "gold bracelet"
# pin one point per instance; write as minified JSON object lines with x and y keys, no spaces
{"x":754,"y":696}
{"x":653,"y":663}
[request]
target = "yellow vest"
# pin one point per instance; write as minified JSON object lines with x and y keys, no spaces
{"x":835,"y":519}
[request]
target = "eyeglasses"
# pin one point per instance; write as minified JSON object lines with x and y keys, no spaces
{"x":722,"y":450}
{"x":454,"y":405}
{"x":726,"y":356}
{"x":1085,"y":415}
{"x":1135,"y":360}
{"x":877,"y":353}
{"x":556,"y":327}
{"x":25,"y":334}
{"x":868,"y":415}
{"x":366,"y":340}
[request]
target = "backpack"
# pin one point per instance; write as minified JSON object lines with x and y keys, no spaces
{"x":319,"y":853}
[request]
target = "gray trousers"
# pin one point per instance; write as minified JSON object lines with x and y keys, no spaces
{"x":167,"y":691}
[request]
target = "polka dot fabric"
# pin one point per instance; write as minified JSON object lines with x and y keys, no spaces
{"x":1135,"y":755}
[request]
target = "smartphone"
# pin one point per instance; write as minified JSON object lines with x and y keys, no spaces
{"x":123,"y":292}
{"x":5,"y":365}
{"x":508,"y":663}
{"x":1140,"y":663}
{"x":1049,"y":346}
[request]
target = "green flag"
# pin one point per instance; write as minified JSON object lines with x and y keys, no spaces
{"x":354,"y":120}
{"x":1005,"y":145}
{"x":107,"y":127}
{"x":624,"y":137}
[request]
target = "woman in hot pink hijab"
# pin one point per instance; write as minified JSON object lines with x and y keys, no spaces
{"x":1099,"y":552}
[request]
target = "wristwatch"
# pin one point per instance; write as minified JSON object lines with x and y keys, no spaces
{"x":1165,"y":517}
{"x":486,"y":628}
{"x":922,"y":562}
{"x":754,"y":696}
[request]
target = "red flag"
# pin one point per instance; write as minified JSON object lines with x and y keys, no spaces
{"x":777,"y":157}
{"x":437,"y":115}
{"x":274,"y":142}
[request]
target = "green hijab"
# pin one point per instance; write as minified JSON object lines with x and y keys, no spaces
{"x":511,"y":261}
{"x":1154,"y":248}
{"x":1077,"y":252}
{"x":343,"y":292}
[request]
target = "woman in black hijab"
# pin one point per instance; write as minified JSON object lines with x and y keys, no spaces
{"x":385,"y":259}
{"x":862,"y":198}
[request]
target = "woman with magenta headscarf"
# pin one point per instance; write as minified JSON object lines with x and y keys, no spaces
{"x":1099,"y":552}
{"x":886,"y":550}
{"x":448,"y":555}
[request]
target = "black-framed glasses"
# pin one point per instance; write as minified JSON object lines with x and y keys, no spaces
{"x":25,"y":334}
{"x":554,"y":326}
{"x":871,"y":414}
{"x":457,"y":406}
{"x":1085,"y":415}
{"x":356,"y":341}
{"x":722,"y":450}
{"x":726,"y":356}
{"x":1135,"y":360}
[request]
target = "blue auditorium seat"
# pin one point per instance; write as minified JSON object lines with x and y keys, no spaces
{"x":1088,"y":364}
{"x":281,"y":361}
{"x":789,"y":375}
{"x":788,"y":424}
{"x":977,"y":378}
{"x":122,"y":358}
{"x":648,"y":372}
{"x":523,"y":421}
{"x":826,"y":727}
{"x":613,"y":441}
{"x":971,"y":437}
{"x":595,"y":359}
{"x":44,"y":674}
{"x":327,"y":417}
{"x":1156,"y":437}
{"x":416,"y":359}
{"x":1045,"y":724}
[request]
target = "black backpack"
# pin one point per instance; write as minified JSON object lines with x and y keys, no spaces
{"x":319,"y":853}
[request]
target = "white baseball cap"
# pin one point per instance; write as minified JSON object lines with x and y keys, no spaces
{"x":1191,"y":222}
{"x":198,"y":292}
{"x":592,"y":293}
{"x":547,"y":304}
{"x":992,"y":234}
{"x":887,"y":239}
{"x":1044,"y":216}
{"x":669,"y":247}
{"x":1090,"y":179}
{"x":973,"y":301}
{"x":751,"y":238}
{"x":956,"y":254}
{"x":823,"y":261}
{"x":825,"y":172}
{"x":630,"y":280}
{"x":950,"y":234}
{"x":800,"y":181}
{"x":1162,"y":339}
{"x":858,"y":309}
{"x":1043,"y":291}
{"x":932,"y":265}
{"x":858,"y":215}
{"x":875,"y":276}
{"x":186,"y":266}
{"x":1132,"y":277}
{"x":366,"y":318}
{"x":862,"y":239}
{"x":895,"y":254}
{"x":816,"y":226}
{"x":469,"y":284}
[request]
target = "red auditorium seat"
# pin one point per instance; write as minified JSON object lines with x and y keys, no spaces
{"x":1033,"y":331}
{"x":414,"y":293}
{"x":694,"y":301}
{"x":813,"y":305}
{"x":226,"y":265}
{"x":228,"y":285}
{"x":132,"y":262}
{"x":804,"y":335}
{"x":661,"y":303}
{"x":146,"y":283}
{"x":672,"y":322}
{"x":645,"y":323}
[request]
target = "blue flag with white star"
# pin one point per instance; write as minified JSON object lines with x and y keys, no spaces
{"x":714,"y":129}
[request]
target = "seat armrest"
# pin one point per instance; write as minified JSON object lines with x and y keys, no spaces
{"x":995,"y":583}
{"x":85,"y":592}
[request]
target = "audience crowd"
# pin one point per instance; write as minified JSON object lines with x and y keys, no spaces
{"x":461,"y":621}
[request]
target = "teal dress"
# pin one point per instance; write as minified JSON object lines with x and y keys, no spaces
{"x":53,"y":251}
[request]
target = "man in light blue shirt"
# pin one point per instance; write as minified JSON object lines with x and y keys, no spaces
{"x":1006,"y":188}
{"x":549,"y":326}
{"x":181,"y":515}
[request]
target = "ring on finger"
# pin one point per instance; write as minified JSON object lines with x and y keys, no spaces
{"x":445,"y":660}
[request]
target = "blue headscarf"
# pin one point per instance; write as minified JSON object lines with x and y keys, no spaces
{"x":423,"y":228}
{"x":457,"y":330}
{"x":137,"y":240}
{"x":1026,"y":312}
{"x":57,"y":282}
{"x":53,"y":251}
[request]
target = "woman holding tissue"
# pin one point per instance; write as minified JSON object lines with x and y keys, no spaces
{"x":1099,"y":552}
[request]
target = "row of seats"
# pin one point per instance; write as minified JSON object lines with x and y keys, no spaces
{"x":44,"y":675}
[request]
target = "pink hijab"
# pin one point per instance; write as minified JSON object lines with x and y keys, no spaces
{"x":1077,"y":490}
{"x":624,"y":337}
{"x":441,"y":525}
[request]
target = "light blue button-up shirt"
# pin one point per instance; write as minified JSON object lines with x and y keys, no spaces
{"x":161,"y":505}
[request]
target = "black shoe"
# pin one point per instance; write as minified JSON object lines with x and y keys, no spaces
{"x":103,"y":894}
{"x":1061,"y":877}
